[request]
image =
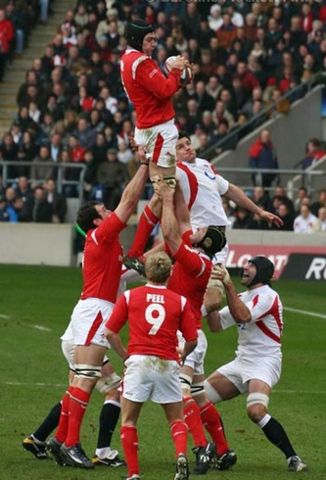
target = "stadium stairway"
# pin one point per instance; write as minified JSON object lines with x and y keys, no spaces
{"x":38,"y":39}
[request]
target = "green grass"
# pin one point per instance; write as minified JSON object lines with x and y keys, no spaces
{"x":44,"y":296}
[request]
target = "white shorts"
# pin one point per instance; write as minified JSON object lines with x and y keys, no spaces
{"x":148,"y":377}
{"x":196,"y":358}
{"x":68,"y":348}
{"x":160,"y":142}
{"x":88,"y":322}
{"x":221,"y":257}
{"x":241,"y":370}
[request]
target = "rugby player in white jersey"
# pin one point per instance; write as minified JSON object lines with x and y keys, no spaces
{"x":257,"y":365}
{"x":202,"y":189}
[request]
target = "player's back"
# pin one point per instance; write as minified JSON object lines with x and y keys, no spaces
{"x":155,"y":314}
{"x":190,"y":276}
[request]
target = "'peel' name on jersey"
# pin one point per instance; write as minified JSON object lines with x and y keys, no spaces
{"x":154,"y":298}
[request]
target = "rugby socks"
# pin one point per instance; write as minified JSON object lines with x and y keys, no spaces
{"x":276,"y":435}
{"x":213,"y":423}
{"x":48,"y":424}
{"x":179,"y":432}
{"x":77,"y":408}
{"x":62,"y":429}
{"x":192,"y":418}
{"x":109,"y":417}
{"x":146,"y":223}
{"x":129,"y":441}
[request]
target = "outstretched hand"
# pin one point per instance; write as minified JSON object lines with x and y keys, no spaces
{"x":270,"y":218}
{"x":219,"y":272}
{"x":139,"y":150}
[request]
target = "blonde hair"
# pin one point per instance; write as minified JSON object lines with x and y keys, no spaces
{"x":158,"y":267}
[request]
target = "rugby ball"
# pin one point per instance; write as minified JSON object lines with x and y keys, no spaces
{"x":186,"y":75}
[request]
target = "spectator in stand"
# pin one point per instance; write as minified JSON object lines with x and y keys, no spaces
{"x":23,"y":189}
{"x":261,"y":198}
{"x":243,"y":219}
{"x":8,"y":153}
{"x":304,"y":222}
{"x":6,"y":37}
{"x":314,"y":153}
{"x":281,"y":193}
{"x":57,"y":201}
{"x":320,"y":203}
{"x":37,"y":208}
{"x":111,"y":177}
{"x":286,"y":215}
{"x":302,"y":193}
{"x":320,"y":224}
{"x":85,"y":134}
{"x":7,"y":211}
{"x":215,"y":20}
{"x":262,"y":155}
{"x":39,"y":172}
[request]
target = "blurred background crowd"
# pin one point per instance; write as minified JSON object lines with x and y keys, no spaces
{"x":72,"y":108}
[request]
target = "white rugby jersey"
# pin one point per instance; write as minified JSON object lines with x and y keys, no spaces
{"x":202,"y":189}
{"x":262,"y":335}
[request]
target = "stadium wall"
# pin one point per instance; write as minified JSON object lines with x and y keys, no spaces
{"x":290,"y":134}
{"x":46,"y":244}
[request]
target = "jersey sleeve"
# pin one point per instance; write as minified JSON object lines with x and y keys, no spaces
{"x":226,"y":318}
{"x":222,"y":185}
{"x":108,"y":230}
{"x":150,"y":76}
{"x":119,"y":315}
{"x":188,"y":322}
{"x":260,"y":305}
{"x":191,"y":262}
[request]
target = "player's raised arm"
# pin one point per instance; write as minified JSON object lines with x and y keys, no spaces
{"x":132,"y":193}
{"x":235,"y":194}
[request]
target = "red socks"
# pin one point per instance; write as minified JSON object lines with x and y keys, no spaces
{"x":212,"y":421}
{"x":129,"y":440}
{"x":77,"y":408}
{"x":145,"y":226}
{"x":179,"y":432}
{"x":61,"y":432}
{"x":193,"y":420}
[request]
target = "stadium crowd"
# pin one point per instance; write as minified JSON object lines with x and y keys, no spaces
{"x":72,"y":107}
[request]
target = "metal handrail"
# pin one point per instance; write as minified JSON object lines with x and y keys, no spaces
{"x":238,"y":133}
{"x":60,"y":181}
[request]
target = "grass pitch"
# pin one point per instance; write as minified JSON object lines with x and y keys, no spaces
{"x":35,"y":305}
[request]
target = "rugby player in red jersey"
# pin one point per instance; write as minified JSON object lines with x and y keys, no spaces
{"x":154,"y":314}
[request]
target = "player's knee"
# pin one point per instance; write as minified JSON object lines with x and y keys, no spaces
{"x":108,"y":384}
{"x":87,"y":375}
{"x":197,"y":390}
{"x":186,"y":382}
{"x":257,"y":405}
{"x":212,"y":394}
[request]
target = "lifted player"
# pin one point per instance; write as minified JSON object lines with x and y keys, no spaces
{"x":151,"y":94}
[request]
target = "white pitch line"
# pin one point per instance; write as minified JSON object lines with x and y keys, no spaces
{"x":37,"y":384}
{"x":4,"y":317}
{"x":305,"y":312}
{"x":37,"y":327}
{"x":40,"y":384}
{"x":296,"y":392}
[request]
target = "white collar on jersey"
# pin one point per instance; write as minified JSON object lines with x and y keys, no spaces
{"x":155,"y":286}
